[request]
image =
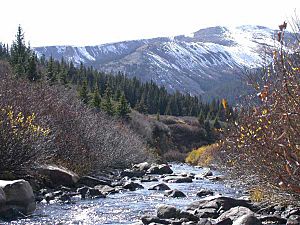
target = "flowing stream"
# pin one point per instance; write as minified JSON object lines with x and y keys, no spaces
{"x":126,"y":207}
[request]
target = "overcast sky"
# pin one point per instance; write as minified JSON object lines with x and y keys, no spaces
{"x":91,"y":22}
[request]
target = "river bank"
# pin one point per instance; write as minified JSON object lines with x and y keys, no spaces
{"x":124,"y":197}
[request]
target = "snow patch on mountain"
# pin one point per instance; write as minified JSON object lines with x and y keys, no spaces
{"x":83,"y":51}
{"x":192,"y":63}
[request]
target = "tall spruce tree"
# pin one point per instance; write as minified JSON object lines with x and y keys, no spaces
{"x":19,"y":54}
{"x":107,"y":102}
{"x":63,"y":75}
{"x":122,"y":107}
{"x":96,"y":101}
{"x":51,"y":74}
{"x":31,"y":71}
{"x":84,"y":93}
{"x":141,"y":105}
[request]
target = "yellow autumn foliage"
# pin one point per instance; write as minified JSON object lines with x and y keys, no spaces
{"x":257,"y":195}
{"x":202,"y":156}
{"x":21,"y":124}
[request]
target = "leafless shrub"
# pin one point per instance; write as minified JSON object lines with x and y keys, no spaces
{"x":80,"y":138}
{"x":266,"y":138}
{"x":175,"y":156}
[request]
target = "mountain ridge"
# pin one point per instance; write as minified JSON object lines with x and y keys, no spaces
{"x":196,"y":64}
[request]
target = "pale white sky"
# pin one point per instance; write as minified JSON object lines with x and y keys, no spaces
{"x":91,"y":22}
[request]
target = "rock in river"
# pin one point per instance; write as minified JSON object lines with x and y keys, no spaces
{"x":204,"y":192}
{"x":131,"y":186}
{"x":175,"y":194}
{"x":178,"y":179}
{"x":247,"y":220}
{"x":235,"y":213}
{"x":16,"y":196}
{"x":167,"y":212}
{"x":219,"y":202}
{"x":160,"y":187}
{"x":160,"y":169}
{"x":57,"y":176}
{"x":141,"y":166}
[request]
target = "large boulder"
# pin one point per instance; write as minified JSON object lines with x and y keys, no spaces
{"x":171,"y":212}
{"x":175,"y":194}
{"x":16,"y":196}
{"x":207,"y":173}
{"x":88,"y":192}
{"x":57,"y":176}
{"x":95,"y":193}
{"x":131,"y":186}
{"x":106,"y":189}
{"x":144,"y":166}
{"x":247,"y":220}
{"x":235,"y":213}
{"x":204,"y":193}
{"x":219,"y":202}
{"x":167,"y":212}
{"x":160,"y":169}
{"x":207,"y":213}
{"x":293,"y":220}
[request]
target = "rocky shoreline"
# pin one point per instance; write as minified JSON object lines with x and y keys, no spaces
{"x":18,"y":200}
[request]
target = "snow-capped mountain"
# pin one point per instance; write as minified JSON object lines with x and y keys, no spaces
{"x":208,"y":60}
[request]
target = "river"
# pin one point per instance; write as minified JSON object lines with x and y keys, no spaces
{"x":126,"y":207}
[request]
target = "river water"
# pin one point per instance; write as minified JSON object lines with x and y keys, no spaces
{"x":126,"y":207}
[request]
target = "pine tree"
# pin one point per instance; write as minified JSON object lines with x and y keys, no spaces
{"x":141,"y":106}
{"x":122,"y":107}
{"x":3,"y":51}
{"x":106,"y":103}
{"x":32,"y":73}
{"x":51,"y":75}
{"x":19,"y":54}
{"x":117,"y":95}
{"x":96,"y":101}
{"x":63,"y":76}
{"x":83,"y":93}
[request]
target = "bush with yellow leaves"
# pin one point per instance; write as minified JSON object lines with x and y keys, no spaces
{"x":202,"y":156}
{"x":19,"y":140}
